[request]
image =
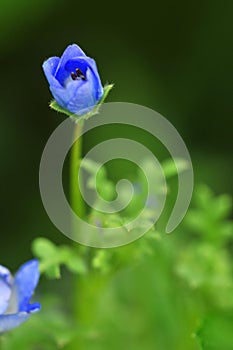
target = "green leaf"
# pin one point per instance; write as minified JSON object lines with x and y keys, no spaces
{"x":42,"y":247}
{"x":173,"y":166}
{"x":52,"y":272}
{"x":101,"y":261}
{"x":209,"y":217}
{"x":91,"y":166}
{"x":98,"y":179}
{"x":54,"y":105}
{"x":216,"y":333}
{"x":49,"y":257}
{"x":76,"y":265}
{"x":207,"y":268}
{"x":52,"y":257}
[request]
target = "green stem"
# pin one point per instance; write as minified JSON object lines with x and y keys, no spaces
{"x":78,"y":206}
{"x":84,"y":297}
{"x":76,"y":199}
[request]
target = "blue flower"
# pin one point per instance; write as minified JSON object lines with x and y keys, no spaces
{"x":15,"y":295}
{"x":74,"y":80}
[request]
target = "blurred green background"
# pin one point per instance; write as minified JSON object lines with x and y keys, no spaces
{"x":173,"y":56}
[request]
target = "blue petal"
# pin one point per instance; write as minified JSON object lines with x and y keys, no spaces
{"x":79,"y":62}
{"x":5,"y":293}
{"x":5,"y":274}
{"x":64,"y":95}
{"x":83,"y":97}
{"x":79,"y":97}
{"x":33,"y":308}
{"x":5,"y":288}
{"x":83,"y":63}
{"x":60,"y":95}
{"x":70,"y":65}
{"x":70,"y":52}
{"x":8,"y":322}
{"x":26,"y":280}
{"x":49,"y":68}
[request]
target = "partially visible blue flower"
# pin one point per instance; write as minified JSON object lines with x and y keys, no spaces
{"x":74,"y":80}
{"x":15,"y":295}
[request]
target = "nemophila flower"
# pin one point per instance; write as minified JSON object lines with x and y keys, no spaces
{"x":15,"y":295}
{"x":74,"y":80}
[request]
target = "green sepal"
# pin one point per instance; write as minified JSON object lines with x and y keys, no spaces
{"x":55,"y":106}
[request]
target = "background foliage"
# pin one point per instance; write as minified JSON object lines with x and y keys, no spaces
{"x":162,"y":292}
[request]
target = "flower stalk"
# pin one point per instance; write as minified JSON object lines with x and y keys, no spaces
{"x":78,"y":207}
{"x":76,"y":199}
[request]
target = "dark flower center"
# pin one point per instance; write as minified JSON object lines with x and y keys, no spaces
{"x":77,"y":75}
